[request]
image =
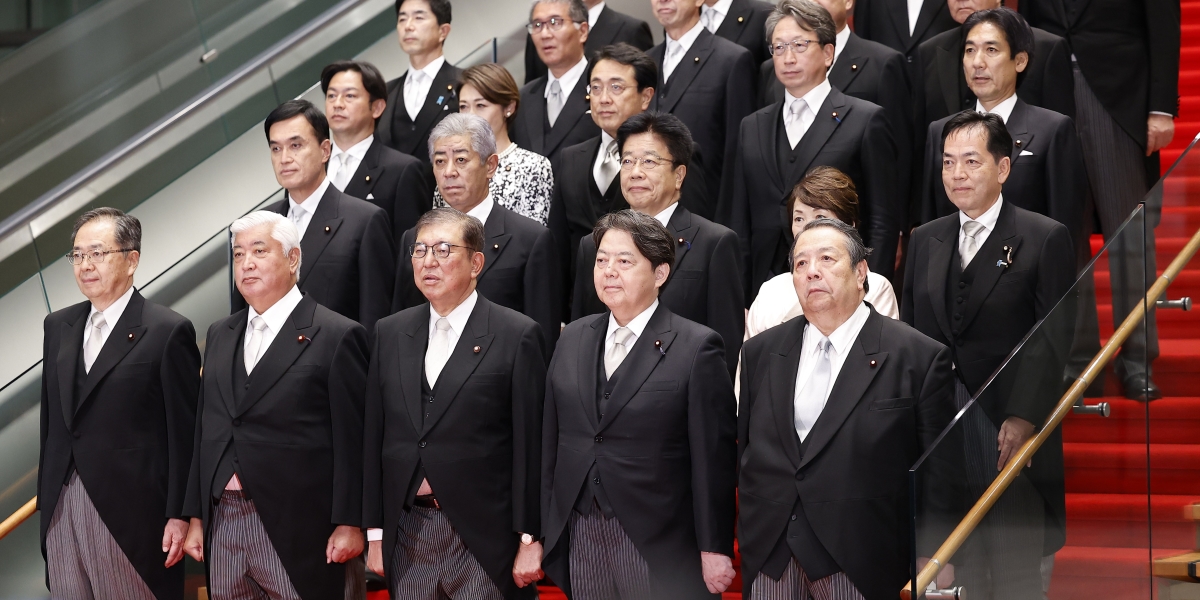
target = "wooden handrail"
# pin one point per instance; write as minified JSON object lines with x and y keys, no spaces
{"x":1094,"y":369}
{"x":18,"y":517}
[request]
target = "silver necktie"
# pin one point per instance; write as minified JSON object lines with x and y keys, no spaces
{"x":618,"y":351}
{"x":438,"y":352}
{"x":795,"y":121}
{"x":412,"y":94}
{"x":95,"y":341}
{"x":968,"y":244}
{"x":554,"y":102}
{"x":811,"y":399}
{"x":342,"y":178}
{"x":607,"y":171}
{"x":254,"y":345}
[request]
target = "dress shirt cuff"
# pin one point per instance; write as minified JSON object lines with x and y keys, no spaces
{"x":374,"y":535}
{"x":1165,"y":114}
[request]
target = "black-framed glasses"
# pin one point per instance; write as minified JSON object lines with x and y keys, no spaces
{"x":797,"y":46}
{"x":553,"y":23}
{"x":94,"y":256}
{"x":441,"y":251}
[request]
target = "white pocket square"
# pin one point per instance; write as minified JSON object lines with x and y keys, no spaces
{"x":1025,"y":153}
{"x":370,"y":196}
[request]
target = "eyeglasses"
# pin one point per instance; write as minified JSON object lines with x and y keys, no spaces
{"x":614,"y":89}
{"x":554,"y":24}
{"x":95,"y":256}
{"x":647,"y":164}
{"x":441,"y":250}
{"x":796,"y":46}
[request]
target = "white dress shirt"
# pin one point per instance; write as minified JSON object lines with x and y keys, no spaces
{"x":112,"y":314}
{"x":1002,"y":110}
{"x":987,"y":219}
{"x":354,"y":157}
{"x":840,"y":340}
{"x":594,"y":13}
{"x":417,"y":85}
{"x":914,"y":11}
{"x":665,"y":216}
{"x":813,"y":99}
{"x":309,"y":205}
{"x":718,"y":12}
{"x":636,"y":325}
{"x":841,"y":39}
{"x":482,"y":210}
{"x":677,"y":48}
{"x":274,"y":317}
{"x":568,"y":81}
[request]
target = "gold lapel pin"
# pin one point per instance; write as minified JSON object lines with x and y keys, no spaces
{"x":450,"y":88}
{"x":697,"y":59}
{"x":131,"y":337}
{"x":658,"y":343}
{"x":741,"y":19}
{"x":681,"y":240}
{"x":588,"y":97}
{"x":1018,"y":142}
{"x":368,"y":178}
{"x":301,"y":339}
{"x":853,"y":67}
{"x":476,"y":349}
{"x":495,"y":246}
{"x":873,"y":363}
{"x":327,"y":229}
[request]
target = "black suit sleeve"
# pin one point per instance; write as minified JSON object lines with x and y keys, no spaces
{"x":180,"y":376}
{"x":377,"y":271}
{"x":549,"y":453}
{"x":1058,"y":83}
{"x":726,"y":302}
{"x":528,"y":391}
{"x":196,"y":490}
{"x":911,"y":262}
{"x":881,"y":201}
{"x":745,"y":401}
{"x":414,"y":197}
{"x":941,"y":473}
{"x":542,"y":284}
{"x":44,"y":418}
{"x":712,"y":437}
{"x":556,"y":221}
{"x":733,"y":210}
{"x":1162,"y":16}
{"x":347,"y":380}
{"x":372,"y":446}
{"x":1067,"y":181}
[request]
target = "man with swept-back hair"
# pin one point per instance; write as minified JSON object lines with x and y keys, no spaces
{"x":275,"y":490}
{"x":605,"y":27}
{"x":119,"y":381}
{"x":520,"y":270}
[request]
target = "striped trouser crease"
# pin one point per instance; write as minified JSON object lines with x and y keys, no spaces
{"x":430,"y":561}
{"x":242,"y":563}
{"x":604,"y":563}
{"x":794,"y":585}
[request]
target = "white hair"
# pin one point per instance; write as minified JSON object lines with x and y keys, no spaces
{"x":473,"y":127}
{"x":282,"y":229}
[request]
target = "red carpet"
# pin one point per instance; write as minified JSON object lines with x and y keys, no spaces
{"x":1113,"y":529}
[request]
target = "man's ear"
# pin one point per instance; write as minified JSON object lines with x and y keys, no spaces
{"x":661,"y":273}
{"x":477,"y":260}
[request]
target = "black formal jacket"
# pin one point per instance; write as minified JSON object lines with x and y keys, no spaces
{"x":531,"y":128}
{"x":1047,"y":177}
{"x":396,"y":130}
{"x":520,"y":271}
{"x":711,"y":91}
{"x":348,"y":258}
{"x":1047,"y":81}
{"x":858,"y":142}
{"x":395,"y":182}
{"x":126,"y":428}
{"x":704,"y":285}
{"x":612,"y":27}
{"x":1128,"y":51}
{"x":674,"y":403}
{"x":886,"y":22}
{"x":845,"y":487}
{"x":478,"y":441}
{"x":297,"y":434}
{"x":745,"y":25}
{"x":998,"y":310}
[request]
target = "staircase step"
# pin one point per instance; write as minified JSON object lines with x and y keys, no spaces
{"x":1173,"y":420}
{"x":1187,"y":283}
{"x":1174,"y":323}
{"x":1120,"y":521}
{"x":1121,"y":468}
{"x":1166,"y":249}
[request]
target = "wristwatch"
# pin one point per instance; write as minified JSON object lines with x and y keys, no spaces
{"x":526,"y":539}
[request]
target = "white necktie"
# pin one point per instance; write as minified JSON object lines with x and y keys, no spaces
{"x":438,"y":352}
{"x":608,"y":168}
{"x":674,"y":53}
{"x":708,"y":18}
{"x":811,"y":399}
{"x":412,"y":93}
{"x":297,"y":217}
{"x":254,"y":346}
{"x":618,"y":351}
{"x":342,"y":178}
{"x":797,"y":121}
{"x":95,"y":341}
{"x":968,"y":245}
{"x":554,"y":102}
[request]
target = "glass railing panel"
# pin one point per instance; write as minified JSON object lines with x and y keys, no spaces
{"x":485,"y":53}
{"x":1037,"y":539}
{"x":21,"y":566}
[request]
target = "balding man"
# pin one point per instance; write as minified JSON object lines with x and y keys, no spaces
{"x":275,"y":492}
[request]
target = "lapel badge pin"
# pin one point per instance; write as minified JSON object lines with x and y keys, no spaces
{"x":1018,"y":143}
{"x":853,"y":67}
{"x":873,"y":363}
{"x":836,"y":117}
{"x":131,"y":337}
{"x":476,"y":349}
{"x":440,"y":100}
{"x":495,"y":246}
{"x":368,"y":178}
{"x":1005,"y":262}
{"x":658,"y":344}
{"x":697,"y":59}
{"x":741,"y":19}
{"x":301,"y":339}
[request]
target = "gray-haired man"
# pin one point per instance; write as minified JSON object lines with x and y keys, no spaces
{"x":520,"y":269}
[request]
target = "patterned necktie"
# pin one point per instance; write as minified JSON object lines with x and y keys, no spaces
{"x":618,"y":351}
{"x":554,"y":102}
{"x":254,"y":345}
{"x":608,"y":168}
{"x":674,"y":53}
{"x":95,"y":341}
{"x":412,"y":93}
{"x":811,"y":399}
{"x":968,"y":245}
{"x":797,"y":121}
{"x":708,"y":18}
{"x":342,"y":178}
{"x":297,"y":217}
{"x":439,"y":351}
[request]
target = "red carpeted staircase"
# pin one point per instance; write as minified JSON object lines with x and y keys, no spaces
{"x":1113,"y":528}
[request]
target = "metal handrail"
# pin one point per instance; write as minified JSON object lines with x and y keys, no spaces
{"x":1094,"y":369}
{"x":20,"y":219}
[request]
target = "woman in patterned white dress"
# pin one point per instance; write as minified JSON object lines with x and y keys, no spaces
{"x":524,"y":181}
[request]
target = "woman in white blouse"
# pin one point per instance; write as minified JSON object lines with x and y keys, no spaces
{"x":829,"y":193}
{"x":524,"y":180}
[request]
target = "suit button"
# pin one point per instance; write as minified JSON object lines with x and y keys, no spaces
{"x":959,"y":300}
{"x":421,"y":444}
{"x":958,"y":317}
{"x":247,"y":386}
{"x":799,"y":476}
{"x":961,"y":285}
{"x":596,"y":481}
{"x":793,"y":517}
{"x":908,"y":58}
{"x":75,"y":434}
{"x":599,"y":439}
{"x":607,"y":394}
{"x":792,"y":159}
{"x":237,"y":423}
{"x":431,"y":399}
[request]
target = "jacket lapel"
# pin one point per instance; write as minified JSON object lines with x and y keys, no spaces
{"x":70,"y":344}
{"x":642,"y":360}
{"x":290,"y":342}
{"x":734,"y":22}
{"x":463,"y":361}
{"x":941,"y":248}
{"x":413,"y":345}
{"x":863,"y":361}
{"x":821,"y":130}
{"x":769,"y":141}
{"x":440,"y":100}
{"x":495,"y":239}
{"x":321,"y":229}
{"x":589,"y":359}
{"x":683,"y":229}
{"x":988,"y":272}
{"x":929,"y":10}
{"x":225,"y":345}
{"x":575,"y":108}
{"x":785,"y":363}
{"x":121,"y":339}
{"x":1018,"y":127}
{"x":849,"y":64}
{"x":367,"y":174}
{"x":689,"y":67}
{"x":537,"y":116}
{"x":603,"y":33}
{"x":383,"y":127}
{"x":898,"y":9}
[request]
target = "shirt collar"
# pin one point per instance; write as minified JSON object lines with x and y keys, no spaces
{"x":814,"y":98}
{"x":842,"y":38}
{"x":482,"y":210}
{"x":637,"y":324}
{"x":568,"y":80}
{"x":843,"y":337}
{"x":279,"y":312}
{"x":594,"y":14}
{"x":665,"y":216}
{"x":987,"y":219}
{"x":358,"y":150}
{"x":1002,"y":110}
{"x":113,"y":313}
{"x":431,"y":70}
{"x":605,"y":140}
{"x":686,"y":40}
{"x":310,"y":203}
{"x":458,"y":317}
